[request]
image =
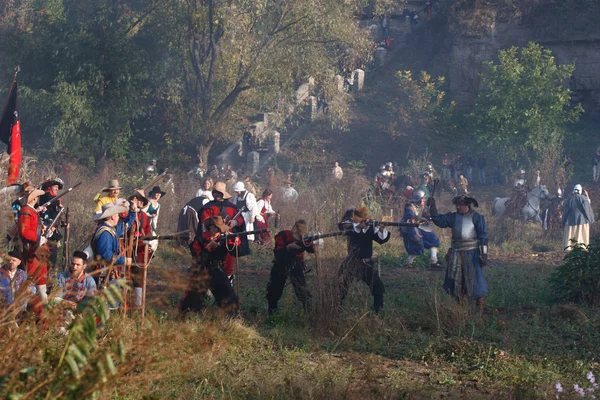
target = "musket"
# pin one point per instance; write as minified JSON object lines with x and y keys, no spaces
{"x":435,"y":183}
{"x":66,"y":247}
{"x":58,"y":196}
{"x":158,"y":178}
{"x":405,"y":224}
{"x":312,"y":238}
{"x":172,"y":236}
{"x":48,"y":231}
{"x":236,"y":234}
{"x":240,"y":211}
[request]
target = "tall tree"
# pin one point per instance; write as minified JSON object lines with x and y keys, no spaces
{"x":525,"y":104}
{"x":235,"y":56}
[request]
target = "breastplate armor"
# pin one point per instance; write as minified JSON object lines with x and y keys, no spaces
{"x":464,"y":235}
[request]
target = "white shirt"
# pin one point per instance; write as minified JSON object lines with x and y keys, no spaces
{"x":262,"y":203}
{"x":382,"y":234}
{"x":206,"y":193}
{"x":251,"y":205}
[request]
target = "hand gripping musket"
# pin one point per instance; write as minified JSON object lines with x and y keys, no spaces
{"x":155,"y":180}
{"x":49,"y":231}
{"x":58,"y":196}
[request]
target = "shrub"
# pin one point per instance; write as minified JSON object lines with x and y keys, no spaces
{"x":577,"y":279}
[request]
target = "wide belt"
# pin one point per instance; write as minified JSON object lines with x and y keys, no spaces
{"x":465,"y":245}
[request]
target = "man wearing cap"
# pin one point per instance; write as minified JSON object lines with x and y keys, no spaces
{"x":210,"y":249}
{"x":74,"y":285}
{"x":226,"y":209}
{"x":577,"y":218}
{"x":246,"y":200}
{"x":35,"y":251}
{"x":105,"y":242}
{"x":417,"y":240}
{"x":140,"y":222}
{"x":464,"y":274}
{"x":12,"y":279}
{"x":112,"y":194}
{"x":289,"y":261}
{"x":359,"y":264}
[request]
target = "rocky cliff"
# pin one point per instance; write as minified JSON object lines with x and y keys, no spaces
{"x":477,"y":29}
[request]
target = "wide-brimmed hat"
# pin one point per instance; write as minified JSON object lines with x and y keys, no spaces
{"x":360,"y":214}
{"x":51,"y":182}
{"x":113,"y":184}
{"x":221,"y":188}
{"x":156,"y":189}
{"x":108,"y":210}
{"x":465,"y":200}
{"x":140,"y":195}
{"x":217,"y":221}
{"x":32,"y":193}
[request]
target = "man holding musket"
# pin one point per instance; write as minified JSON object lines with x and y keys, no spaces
{"x":464,"y":274}
{"x":222,"y":206}
{"x":139,"y":222}
{"x":209,"y":250}
{"x":289,"y":262}
{"x":359,"y":264}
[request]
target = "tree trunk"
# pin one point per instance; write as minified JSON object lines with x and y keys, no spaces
{"x":203,"y":150}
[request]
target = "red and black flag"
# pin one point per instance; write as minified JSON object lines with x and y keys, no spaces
{"x":10,"y":132}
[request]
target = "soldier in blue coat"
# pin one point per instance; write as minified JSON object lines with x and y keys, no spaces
{"x":464,"y":274}
{"x":417,"y":240}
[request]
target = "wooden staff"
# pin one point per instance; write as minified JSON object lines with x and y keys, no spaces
{"x":66,"y":248}
{"x":146,"y":262}
{"x":129,"y":250}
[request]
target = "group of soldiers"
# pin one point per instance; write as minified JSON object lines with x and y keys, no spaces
{"x":220,"y":239}
{"x":120,"y":248}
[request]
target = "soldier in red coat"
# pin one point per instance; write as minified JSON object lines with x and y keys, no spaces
{"x":289,"y":262}
{"x":226,"y":209}
{"x":210,"y":250}
{"x":140,"y":221}
{"x":35,"y":252}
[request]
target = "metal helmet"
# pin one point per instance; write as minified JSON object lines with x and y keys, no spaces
{"x":418,"y":195}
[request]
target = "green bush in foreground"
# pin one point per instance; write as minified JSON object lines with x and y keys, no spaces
{"x":577,"y":279}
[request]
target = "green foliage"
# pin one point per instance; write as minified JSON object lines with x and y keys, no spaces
{"x":524,"y":105}
{"x":577,"y":279}
{"x":422,"y":105}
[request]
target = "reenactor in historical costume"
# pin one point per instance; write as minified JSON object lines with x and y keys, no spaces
{"x":289,"y":262}
{"x":210,"y":249}
{"x":417,"y":240}
{"x":247,"y":201}
{"x":578,"y":215}
{"x":51,"y":188}
{"x":35,"y":252}
{"x":464,"y":274}
{"x":138,"y":225}
{"x":111,"y":194}
{"x":359,"y":263}
{"x":226,"y":209}
{"x":105,"y":244}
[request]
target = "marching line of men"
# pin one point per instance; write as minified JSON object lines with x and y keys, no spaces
{"x":220,"y":238}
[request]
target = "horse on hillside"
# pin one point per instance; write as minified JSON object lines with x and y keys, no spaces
{"x":531,"y":209}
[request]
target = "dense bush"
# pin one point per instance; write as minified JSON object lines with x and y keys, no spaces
{"x":577,"y":279}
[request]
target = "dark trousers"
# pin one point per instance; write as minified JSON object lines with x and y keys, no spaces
{"x":208,"y":277}
{"x":354,"y":268}
{"x":279,"y":275}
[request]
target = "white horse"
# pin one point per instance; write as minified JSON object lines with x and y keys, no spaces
{"x":531,"y":209}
